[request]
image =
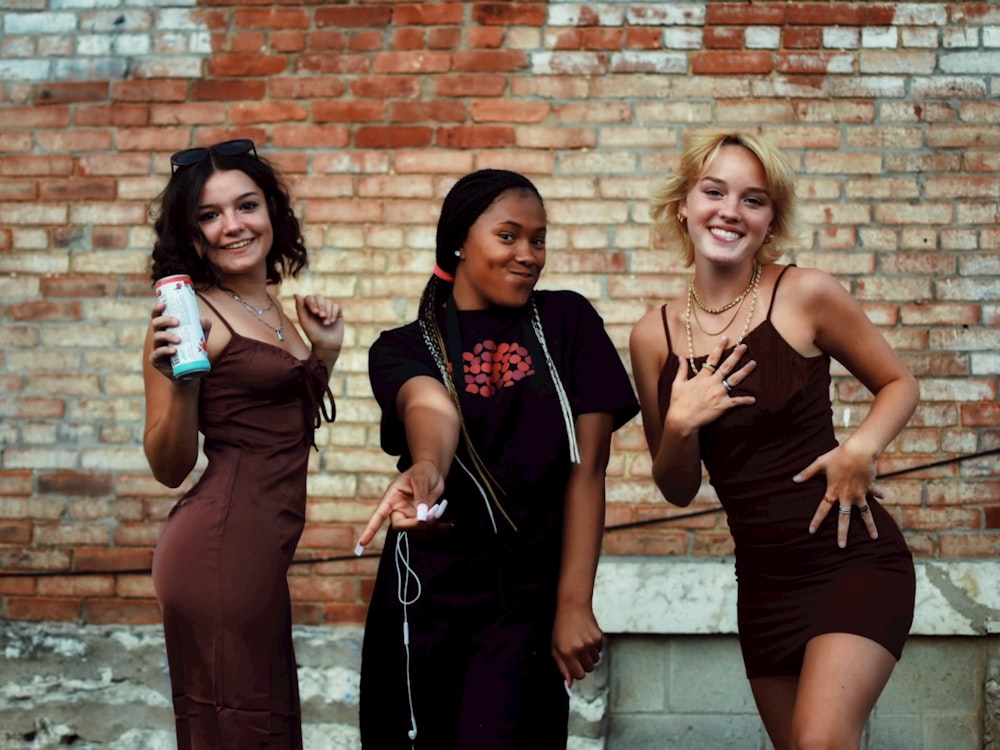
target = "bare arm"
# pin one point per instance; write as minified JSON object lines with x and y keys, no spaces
{"x":432,"y":428}
{"x":170,"y":440}
{"x":576,"y":636}
{"x":695,"y":400}
{"x":842,"y":330}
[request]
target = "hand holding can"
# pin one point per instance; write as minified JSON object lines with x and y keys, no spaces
{"x":190,"y":359}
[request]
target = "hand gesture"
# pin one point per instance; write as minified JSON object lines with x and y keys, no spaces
{"x":850,"y":481}
{"x":700,"y":399}
{"x":576,"y":642}
{"x":165,"y":339}
{"x":410,"y":503}
{"x":322,"y":321}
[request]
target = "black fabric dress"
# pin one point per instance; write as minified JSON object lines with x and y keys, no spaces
{"x":220,"y":563}
{"x":480,"y":668}
{"x":793,"y":586}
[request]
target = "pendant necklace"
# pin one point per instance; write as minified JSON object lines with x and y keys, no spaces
{"x":259,"y":313}
{"x":754,"y":284}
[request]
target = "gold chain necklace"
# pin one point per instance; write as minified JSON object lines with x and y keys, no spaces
{"x":754,"y":284}
{"x":721,"y":330}
{"x":732,"y":303}
{"x":259,"y":313}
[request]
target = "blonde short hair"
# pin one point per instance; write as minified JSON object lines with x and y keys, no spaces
{"x":700,"y":149}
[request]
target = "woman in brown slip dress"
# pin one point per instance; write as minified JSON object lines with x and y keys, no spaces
{"x":737,"y":376}
{"x":220,"y":564}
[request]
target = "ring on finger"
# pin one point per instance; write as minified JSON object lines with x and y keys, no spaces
{"x":729,"y":386}
{"x":828,"y":499}
{"x":844,"y":510}
{"x":864,"y":508}
{"x":710,"y":367}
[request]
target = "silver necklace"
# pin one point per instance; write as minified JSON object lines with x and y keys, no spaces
{"x":259,"y":313}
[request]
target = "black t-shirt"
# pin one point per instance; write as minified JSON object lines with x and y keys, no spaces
{"x":509,"y":402}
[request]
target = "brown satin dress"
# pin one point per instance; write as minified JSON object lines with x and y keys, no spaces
{"x":792,"y":585}
{"x":220,"y":564}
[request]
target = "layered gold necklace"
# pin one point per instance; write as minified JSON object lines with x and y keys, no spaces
{"x":692,"y":300}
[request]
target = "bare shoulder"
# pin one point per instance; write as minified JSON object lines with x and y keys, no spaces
{"x":810,"y":283}
{"x":648,"y":331}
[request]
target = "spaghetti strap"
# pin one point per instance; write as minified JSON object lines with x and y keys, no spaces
{"x":666,"y":328}
{"x":225,"y":322}
{"x":774,"y":292}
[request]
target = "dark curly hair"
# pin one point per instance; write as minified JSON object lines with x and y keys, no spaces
{"x":175,"y":212}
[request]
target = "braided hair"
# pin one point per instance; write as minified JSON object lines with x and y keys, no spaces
{"x":467,"y":200}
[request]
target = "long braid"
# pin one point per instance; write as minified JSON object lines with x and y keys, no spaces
{"x":488,"y":487}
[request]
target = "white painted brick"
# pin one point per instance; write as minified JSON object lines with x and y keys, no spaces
{"x":879,"y":37}
{"x":668,"y":14}
{"x":683,"y":38}
{"x":39,"y":23}
{"x":970,"y":62}
{"x":838,"y":37}
{"x":763,"y":37}
{"x":25,"y":70}
{"x":596,"y":15}
{"x":93,"y":44}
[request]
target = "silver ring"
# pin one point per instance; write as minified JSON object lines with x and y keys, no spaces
{"x":729,"y":386}
{"x":844,"y":510}
{"x":864,"y":508}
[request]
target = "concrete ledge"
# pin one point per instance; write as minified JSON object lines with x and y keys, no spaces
{"x":661,"y":595}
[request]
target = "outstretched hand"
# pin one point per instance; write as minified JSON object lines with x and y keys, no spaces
{"x":412,"y":501}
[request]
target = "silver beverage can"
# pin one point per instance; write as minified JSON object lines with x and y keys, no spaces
{"x":191,"y":358}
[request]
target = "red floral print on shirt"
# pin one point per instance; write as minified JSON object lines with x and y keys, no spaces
{"x":491,"y":366}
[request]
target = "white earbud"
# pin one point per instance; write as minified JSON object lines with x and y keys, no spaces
{"x":412,"y":734}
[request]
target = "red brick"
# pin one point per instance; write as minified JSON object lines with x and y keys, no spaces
{"x":475,"y":136}
{"x":108,"y":611}
{"x":966,"y":546}
{"x":15,"y":118}
{"x":44,"y":310}
{"x":427,"y":111}
{"x":980,"y":415}
{"x":724,"y":37}
{"x":40,"y":609}
{"x":485,"y":37}
{"x":408,"y":39}
{"x":78,"y":189}
{"x":745,"y":13}
{"x":37,"y":166}
{"x":646,"y":542}
{"x":470,"y":85}
{"x":72,"y":92}
{"x":215,"y":90}
{"x":332,"y":40}
{"x":444,"y":38}
{"x":392,"y":137}
{"x":740,"y":63}
{"x":304,"y":87}
{"x":497,"y":110}
{"x":421,"y":62}
{"x":149,"y":91}
{"x":349,"y":111}
{"x":117,"y":115}
{"x":602,"y":39}
{"x":828,"y":14}
{"x":247,"y":65}
{"x":643,"y":38}
{"x":366,"y":41}
{"x":428,"y":14}
{"x":16,"y":532}
{"x":287,"y":41}
{"x":345,"y":614}
{"x":76,"y":587}
{"x":307,"y":613}
{"x":323,"y":588}
{"x":271,"y":18}
{"x":808,"y":37}
{"x":386,"y":87}
{"x":356,"y":16}
{"x":509,"y":14}
{"x":112,"y":559}
{"x":243,"y":113}
{"x":306,"y":136}
{"x":490,"y":61}
{"x":334,"y":63}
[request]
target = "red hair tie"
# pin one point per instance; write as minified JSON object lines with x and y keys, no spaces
{"x":443,"y":275}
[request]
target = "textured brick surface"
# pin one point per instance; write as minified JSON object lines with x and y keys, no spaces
{"x":887,"y":110}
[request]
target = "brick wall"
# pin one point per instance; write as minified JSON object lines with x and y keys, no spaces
{"x":888,"y":110}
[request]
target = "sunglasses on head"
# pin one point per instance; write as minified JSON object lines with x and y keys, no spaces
{"x":191,"y":156}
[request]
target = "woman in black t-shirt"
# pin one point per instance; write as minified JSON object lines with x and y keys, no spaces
{"x":500,"y":402}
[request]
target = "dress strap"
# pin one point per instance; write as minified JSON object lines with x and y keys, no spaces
{"x":774,"y":292}
{"x":666,"y":328}
{"x":225,"y":322}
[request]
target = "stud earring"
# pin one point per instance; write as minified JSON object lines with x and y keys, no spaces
{"x":458,"y":253}
{"x":681,"y":218}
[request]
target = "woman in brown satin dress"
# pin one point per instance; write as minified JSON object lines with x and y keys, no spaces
{"x":737,"y":375}
{"x":219,"y":567}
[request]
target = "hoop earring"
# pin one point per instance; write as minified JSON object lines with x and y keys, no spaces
{"x":681,"y":218}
